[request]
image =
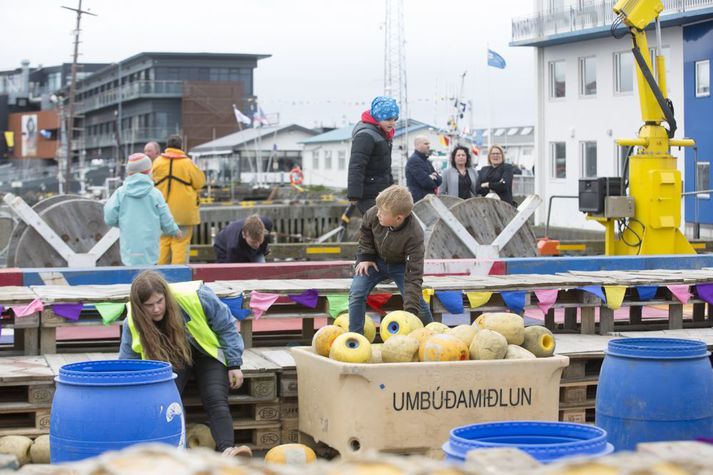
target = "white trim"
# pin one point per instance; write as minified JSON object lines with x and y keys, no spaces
{"x":706,"y":65}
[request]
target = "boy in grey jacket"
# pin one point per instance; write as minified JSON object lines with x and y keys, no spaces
{"x":390,"y":247}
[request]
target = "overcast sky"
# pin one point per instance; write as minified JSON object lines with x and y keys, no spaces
{"x":327,"y":55}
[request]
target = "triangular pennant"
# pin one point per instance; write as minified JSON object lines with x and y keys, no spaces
{"x":646,"y":292}
{"x":427,"y":294}
{"x":376,"y":301}
{"x":235,"y":304}
{"x":308,"y":298}
{"x":69,"y":311}
{"x":25,"y":310}
{"x":478,"y":299}
{"x":260,"y":302}
{"x":615,"y":295}
{"x":705,"y":292}
{"x":681,"y":292}
{"x":110,"y":311}
{"x":514,"y":300}
{"x":546,"y":298}
{"x":594,"y":290}
{"x":452,"y":300}
{"x":338,"y":304}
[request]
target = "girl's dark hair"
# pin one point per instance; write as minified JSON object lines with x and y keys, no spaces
{"x":467,"y":155}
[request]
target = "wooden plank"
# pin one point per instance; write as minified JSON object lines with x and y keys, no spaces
{"x":675,"y":316}
{"x":588,"y":324}
{"x":16,"y":369}
{"x":606,"y":320}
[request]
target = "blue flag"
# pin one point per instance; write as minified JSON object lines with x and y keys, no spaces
{"x":495,"y":60}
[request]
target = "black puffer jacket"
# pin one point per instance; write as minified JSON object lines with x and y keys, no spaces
{"x":369,"y":165}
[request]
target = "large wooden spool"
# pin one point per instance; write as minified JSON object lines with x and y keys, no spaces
{"x":427,"y":214}
{"x":78,"y":221}
{"x":484,"y":219}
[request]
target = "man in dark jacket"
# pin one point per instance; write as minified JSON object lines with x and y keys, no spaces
{"x":421,"y":177}
{"x":244,"y":240}
{"x":370,"y":160}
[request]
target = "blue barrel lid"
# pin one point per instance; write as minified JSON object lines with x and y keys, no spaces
{"x":657,"y":348}
{"x":115,"y":372}
{"x":544,"y":440}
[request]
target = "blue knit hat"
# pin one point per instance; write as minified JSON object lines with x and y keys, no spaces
{"x":384,"y":108}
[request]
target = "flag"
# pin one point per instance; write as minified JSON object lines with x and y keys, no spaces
{"x":445,"y":141}
{"x":259,"y":118}
{"x":495,"y":60}
{"x":475,"y":150}
{"x":240,"y":117}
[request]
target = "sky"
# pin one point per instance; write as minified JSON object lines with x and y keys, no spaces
{"x":327,"y":58}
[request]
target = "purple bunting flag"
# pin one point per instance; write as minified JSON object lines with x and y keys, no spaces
{"x":69,"y":311}
{"x":308,"y":298}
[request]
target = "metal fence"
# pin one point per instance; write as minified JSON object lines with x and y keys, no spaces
{"x":583,"y":15}
{"x":130,"y":91}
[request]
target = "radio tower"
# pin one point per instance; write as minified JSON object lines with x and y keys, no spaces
{"x":395,"y":73}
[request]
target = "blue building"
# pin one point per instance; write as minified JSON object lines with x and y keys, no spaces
{"x":698,"y":110}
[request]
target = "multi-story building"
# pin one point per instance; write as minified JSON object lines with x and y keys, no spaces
{"x":587,"y":96}
{"x":152,"y":95}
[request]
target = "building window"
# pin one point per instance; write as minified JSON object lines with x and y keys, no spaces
{"x":588,"y":76}
{"x":327,"y":159}
{"x":703,"y":78}
{"x":703,"y":172}
{"x":315,"y":160}
{"x":558,"y":158}
{"x":623,"y":72}
{"x":557,"y":79}
{"x":341,"y":159}
{"x":588,"y":159}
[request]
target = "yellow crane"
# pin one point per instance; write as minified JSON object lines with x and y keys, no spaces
{"x":648,"y":219}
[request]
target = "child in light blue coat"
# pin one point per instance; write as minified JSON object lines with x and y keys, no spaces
{"x":141,"y":214}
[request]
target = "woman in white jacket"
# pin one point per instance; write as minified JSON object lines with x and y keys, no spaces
{"x":460,"y":178}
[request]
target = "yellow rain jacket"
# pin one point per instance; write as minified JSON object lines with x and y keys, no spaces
{"x":179,"y":180}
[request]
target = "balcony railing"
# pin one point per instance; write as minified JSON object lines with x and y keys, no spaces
{"x":129,"y":136}
{"x":131,"y":91}
{"x":584,"y":15}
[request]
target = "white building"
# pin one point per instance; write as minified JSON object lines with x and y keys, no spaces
{"x":264,"y":154}
{"x":326,"y":156}
{"x":587,"y":96}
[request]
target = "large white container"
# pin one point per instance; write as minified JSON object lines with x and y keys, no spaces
{"x":411,"y":407}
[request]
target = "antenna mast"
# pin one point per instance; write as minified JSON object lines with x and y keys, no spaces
{"x":72,"y":93}
{"x":395,"y":71}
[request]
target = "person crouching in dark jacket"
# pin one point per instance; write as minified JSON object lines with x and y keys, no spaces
{"x":244,"y":240}
{"x":497,"y":176}
{"x":390,"y":248}
{"x":370,"y":159}
{"x":421,"y":177}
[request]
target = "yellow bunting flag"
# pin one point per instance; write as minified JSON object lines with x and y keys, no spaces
{"x":477,"y":299}
{"x":427,"y":294}
{"x":615,"y":295}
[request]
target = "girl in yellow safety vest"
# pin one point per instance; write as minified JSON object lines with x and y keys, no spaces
{"x":186,"y":325}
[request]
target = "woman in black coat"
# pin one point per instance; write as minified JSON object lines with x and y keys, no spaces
{"x":497,"y":176}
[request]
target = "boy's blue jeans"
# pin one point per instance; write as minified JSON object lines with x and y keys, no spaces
{"x":362,"y":286}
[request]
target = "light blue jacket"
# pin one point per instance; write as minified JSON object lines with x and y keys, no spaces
{"x":141,"y":214}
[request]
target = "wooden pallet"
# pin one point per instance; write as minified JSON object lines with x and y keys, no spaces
{"x":257,"y":435}
{"x":24,"y":419}
{"x":240,"y":411}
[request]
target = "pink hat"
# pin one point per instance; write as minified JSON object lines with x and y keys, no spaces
{"x":138,"y":163}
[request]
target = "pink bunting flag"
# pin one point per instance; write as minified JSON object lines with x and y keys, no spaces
{"x":681,"y":292}
{"x":25,"y":310}
{"x":546,"y":298}
{"x":261,"y":302}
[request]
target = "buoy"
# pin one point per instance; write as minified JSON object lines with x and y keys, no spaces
{"x":398,"y":322}
{"x":16,"y":445}
{"x":443,"y":348}
{"x":40,"y":450}
{"x":324,"y":337}
{"x":351,"y":348}
{"x":342,"y":321}
{"x":198,"y":435}
{"x":290,"y":454}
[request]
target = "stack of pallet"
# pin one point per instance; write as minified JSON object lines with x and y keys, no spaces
{"x":287,"y":389}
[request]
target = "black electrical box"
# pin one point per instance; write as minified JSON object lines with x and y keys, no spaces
{"x":592,"y":192}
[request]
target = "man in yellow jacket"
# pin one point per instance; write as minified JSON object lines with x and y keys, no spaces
{"x":179,"y":180}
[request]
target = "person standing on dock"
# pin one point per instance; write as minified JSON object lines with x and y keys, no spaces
{"x":370,"y":160}
{"x":141,"y":214}
{"x":187,"y":325}
{"x":244,"y":240}
{"x":497,"y":176}
{"x":460,"y":178}
{"x":421,"y":178}
{"x":179,"y":180}
{"x":390,"y":247}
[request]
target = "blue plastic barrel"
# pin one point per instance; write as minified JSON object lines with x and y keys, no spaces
{"x":655,"y":389}
{"x":544,"y":441}
{"x":108,"y":405}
